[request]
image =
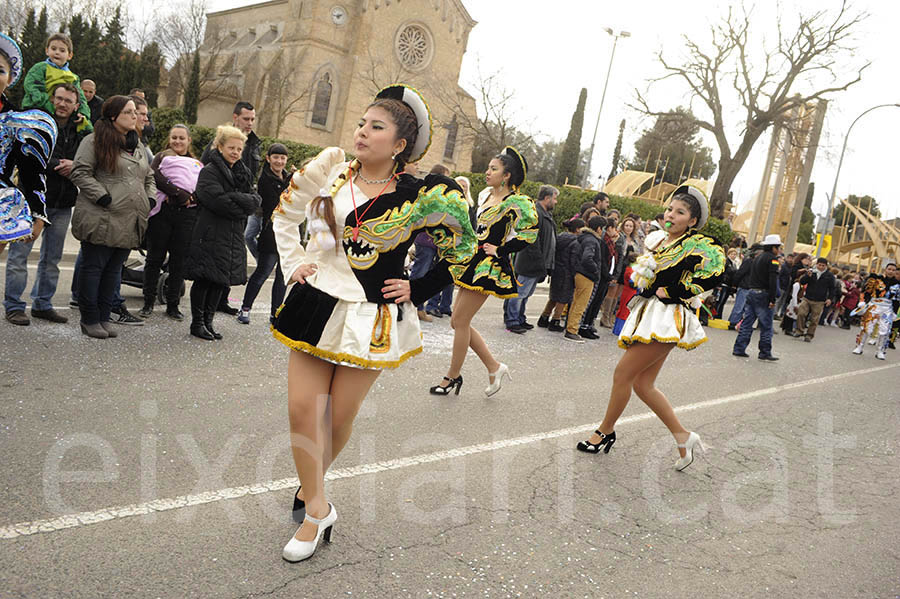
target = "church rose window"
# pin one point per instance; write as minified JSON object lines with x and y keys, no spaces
{"x":414,"y":47}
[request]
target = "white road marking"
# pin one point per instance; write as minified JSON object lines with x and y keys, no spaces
{"x":22,"y":529}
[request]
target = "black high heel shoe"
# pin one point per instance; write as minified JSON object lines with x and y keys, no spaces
{"x":454,"y":383}
{"x":606,"y":443}
{"x":298,"y":512}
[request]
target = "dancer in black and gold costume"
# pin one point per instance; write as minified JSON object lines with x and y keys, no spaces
{"x":680,"y":268}
{"x":348,"y":313}
{"x":507,"y":222}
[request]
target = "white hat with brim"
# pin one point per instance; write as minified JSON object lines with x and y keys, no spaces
{"x":701,"y":199}
{"x":773,"y":239}
{"x":11,"y":49}
{"x":412,"y":98}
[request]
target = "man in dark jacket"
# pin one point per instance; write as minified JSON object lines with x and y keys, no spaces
{"x":587,"y":273}
{"x":821,"y":292}
{"x":784,"y":285}
{"x":533,"y":263}
{"x":742,"y":283}
{"x":61,"y":194}
{"x":761,"y":297}
{"x":607,"y":268}
{"x":243,"y":117}
{"x":94,"y":102}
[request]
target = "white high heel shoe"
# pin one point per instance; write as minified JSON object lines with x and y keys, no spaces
{"x":693,"y":440}
{"x":498,"y":379}
{"x":297,"y":551}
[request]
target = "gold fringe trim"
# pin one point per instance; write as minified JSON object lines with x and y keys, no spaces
{"x":341,"y":358}
{"x":625,"y":342}
{"x":486,"y":291}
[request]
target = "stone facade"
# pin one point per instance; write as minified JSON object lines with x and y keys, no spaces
{"x":310,"y":67}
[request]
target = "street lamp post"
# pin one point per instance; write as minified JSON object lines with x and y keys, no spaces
{"x":612,"y":55}
{"x":838,"y":173}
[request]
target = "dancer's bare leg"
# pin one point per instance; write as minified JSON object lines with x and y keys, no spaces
{"x":309,"y":385}
{"x":349,"y":388}
{"x":467,"y":305}
{"x":645,"y":388}
{"x":638,"y":357}
{"x":479,"y":346}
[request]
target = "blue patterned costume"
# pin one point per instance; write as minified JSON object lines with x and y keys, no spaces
{"x":26,"y":144}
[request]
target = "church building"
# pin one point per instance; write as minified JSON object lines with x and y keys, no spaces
{"x":310,"y":67}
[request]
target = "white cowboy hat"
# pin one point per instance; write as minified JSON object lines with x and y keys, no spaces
{"x":773,"y":239}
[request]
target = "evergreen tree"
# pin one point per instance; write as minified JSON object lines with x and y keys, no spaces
{"x":674,"y":137}
{"x":150,"y":63}
{"x":192,"y":91}
{"x":617,"y":153}
{"x":87,"y":62}
{"x":110,"y":77}
{"x":568,"y":161}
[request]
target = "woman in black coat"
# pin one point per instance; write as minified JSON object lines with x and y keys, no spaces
{"x":272,"y":181}
{"x":218,"y":256}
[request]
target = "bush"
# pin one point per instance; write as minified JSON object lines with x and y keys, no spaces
{"x":570,"y":200}
{"x":297,"y":152}
{"x":163,"y":119}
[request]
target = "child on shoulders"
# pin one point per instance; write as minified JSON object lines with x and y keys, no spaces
{"x":47,"y":74}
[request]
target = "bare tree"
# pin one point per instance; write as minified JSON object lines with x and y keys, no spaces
{"x":282,"y":91}
{"x":495,"y":122}
{"x":379,"y":72}
{"x":182,"y":32}
{"x":14,"y":14}
{"x":804,"y":57}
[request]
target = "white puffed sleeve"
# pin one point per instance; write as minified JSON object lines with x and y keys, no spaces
{"x":306,"y":184}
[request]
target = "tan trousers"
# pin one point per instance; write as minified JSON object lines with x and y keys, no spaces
{"x":583,"y":288}
{"x":811,"y":310}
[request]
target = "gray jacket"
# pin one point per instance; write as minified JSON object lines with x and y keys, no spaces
{"x":123,"y":222}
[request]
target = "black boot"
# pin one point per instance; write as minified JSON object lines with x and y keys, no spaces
{"x":173,"y":312}
{"x":198,"y":324}
{"x":544,"y":321}
{"x":147,"y":310}
{"x":208,"y":315}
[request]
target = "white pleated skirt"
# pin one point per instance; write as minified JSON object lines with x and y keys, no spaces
{"x":356,"y":334}
{"x":652,"y":320}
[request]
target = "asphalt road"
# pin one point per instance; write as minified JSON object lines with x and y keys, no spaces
{"x":157,"y":465}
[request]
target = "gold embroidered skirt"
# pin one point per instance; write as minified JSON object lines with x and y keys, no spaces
{"x":357,"y":334}
{"x":652,"y":320}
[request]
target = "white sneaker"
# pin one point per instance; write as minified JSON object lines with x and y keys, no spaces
{"x":297,"y":551}
{"x":880,"y":355}
{"x":858,"y":349}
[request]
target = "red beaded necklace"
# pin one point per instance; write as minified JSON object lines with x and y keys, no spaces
{"x":359,"y":217}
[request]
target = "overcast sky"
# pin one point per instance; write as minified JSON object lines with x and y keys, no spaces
{"x":549,"y":55}
{"x":548,"y":51}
